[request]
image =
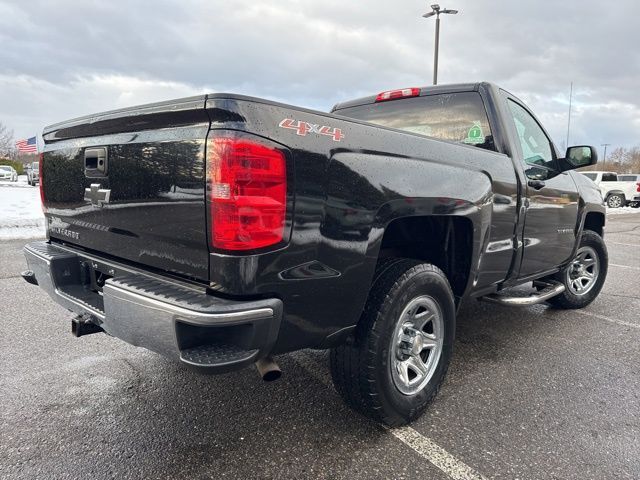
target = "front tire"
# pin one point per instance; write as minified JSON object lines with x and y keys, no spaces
{"x":393,"y":366}
{"x":615,"y":200}
{"x":584,"y":277}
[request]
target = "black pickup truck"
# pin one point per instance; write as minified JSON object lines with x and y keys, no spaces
{"x":222,"y":230}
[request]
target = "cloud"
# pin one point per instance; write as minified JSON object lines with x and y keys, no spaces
{"x":31,"y":103}
{"x":66,"y":58}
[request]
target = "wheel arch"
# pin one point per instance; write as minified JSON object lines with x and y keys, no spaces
{"x":615,"y":192}
{"x":594,"y":221}
{"x":446,"y":241}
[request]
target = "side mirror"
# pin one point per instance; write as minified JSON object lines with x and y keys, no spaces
{"x":578,"y":157}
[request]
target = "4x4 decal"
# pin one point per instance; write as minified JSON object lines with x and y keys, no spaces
{"x":302,"y":128}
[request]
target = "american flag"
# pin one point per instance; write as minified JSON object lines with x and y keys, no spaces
{"x":28,"y":145}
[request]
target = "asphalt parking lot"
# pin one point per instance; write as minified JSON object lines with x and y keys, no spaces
{"x":532,"y":393}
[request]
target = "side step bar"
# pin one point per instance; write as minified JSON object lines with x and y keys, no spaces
{"x":550,"y":290}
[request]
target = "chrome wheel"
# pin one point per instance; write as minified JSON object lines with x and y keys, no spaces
{"x":614,"y":201}
{"x":416,"y":345}
{"x":582,"y":273}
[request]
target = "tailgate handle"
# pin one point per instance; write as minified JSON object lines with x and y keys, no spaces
{"x":95,"y":162}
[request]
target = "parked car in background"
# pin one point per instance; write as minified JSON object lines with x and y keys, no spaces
{"x":616,"y":193}
{"x":33,"y":173}
{"x":7,"y":172}
{"x":635,"y":178}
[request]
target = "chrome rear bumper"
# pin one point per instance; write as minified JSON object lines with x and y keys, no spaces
{"x":178,"y":320}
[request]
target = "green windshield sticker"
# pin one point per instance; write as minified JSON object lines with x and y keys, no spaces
{"x":475,"y":135}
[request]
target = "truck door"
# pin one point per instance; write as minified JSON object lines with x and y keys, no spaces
{"x":551,"y":197}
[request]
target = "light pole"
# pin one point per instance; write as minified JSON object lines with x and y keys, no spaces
{"x":604,"y":160}
{"x":436,"y":10}
{"x":569,"y":119}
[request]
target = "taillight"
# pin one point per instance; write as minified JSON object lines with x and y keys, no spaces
{"x":395,"y":94}
{"x":41,"y":182}
{"x":247,"y":190}
{"x":638,"y":188}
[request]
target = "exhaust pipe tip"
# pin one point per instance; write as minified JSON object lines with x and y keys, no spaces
{"x":268,"y":369}
{"x":29,"y":277}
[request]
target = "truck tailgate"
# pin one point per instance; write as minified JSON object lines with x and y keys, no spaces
{"x":131,"y":184}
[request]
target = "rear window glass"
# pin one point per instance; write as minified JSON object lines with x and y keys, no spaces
{"x":591,"y":176}
{"x":457,"y":117}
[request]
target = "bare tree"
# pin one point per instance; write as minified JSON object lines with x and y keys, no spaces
{"x":633,"y":160}
{"x":622,"y":160}
{"x":7,"y":146}
{"x":616,"y":160}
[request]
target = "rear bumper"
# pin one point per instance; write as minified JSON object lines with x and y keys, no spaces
{"x":177,"y":320}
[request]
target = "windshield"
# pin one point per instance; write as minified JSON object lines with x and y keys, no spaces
{"x":457,"y":117}
{"x":591,"y":176}
{"x":4,"y":168}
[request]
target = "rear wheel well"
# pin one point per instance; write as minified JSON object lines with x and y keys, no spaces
{"x":446,"y":242}
{"x":594,"y":221}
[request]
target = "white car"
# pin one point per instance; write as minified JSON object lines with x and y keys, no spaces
{"x":635,"y":178}
{"x":33,"y":173}
{"x":7,"y":172}
{"x":616,"y":193}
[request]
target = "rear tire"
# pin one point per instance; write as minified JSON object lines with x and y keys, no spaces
{"x":615,"y":200}
{"x":393,"y":366}
{"x":591,"y":260}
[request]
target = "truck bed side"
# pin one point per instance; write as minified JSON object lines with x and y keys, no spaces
{"x":347,"y":197}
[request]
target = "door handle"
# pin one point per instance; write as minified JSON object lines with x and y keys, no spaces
{"x":537,"y":184}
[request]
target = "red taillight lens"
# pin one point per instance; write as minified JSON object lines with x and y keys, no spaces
{"x":41,"y":182}
{"x":395,"y":94}
{"x":638,"y":189}
{"x":247,"y":190}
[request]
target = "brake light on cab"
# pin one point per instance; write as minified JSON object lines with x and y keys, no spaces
{"x":396,"y":94}
{"x":247,"y":193}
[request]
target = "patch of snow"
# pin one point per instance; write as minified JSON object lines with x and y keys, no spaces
{"x":621,"y":210}
{"x":21,"y":183}
{"x":20,"y":212}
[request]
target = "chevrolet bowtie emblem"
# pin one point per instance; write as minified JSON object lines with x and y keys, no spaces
{"x":96,"y":195}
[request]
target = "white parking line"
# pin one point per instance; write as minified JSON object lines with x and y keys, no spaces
{"x":623,"y":266}
{"x":611,"y":320}
{"x":423,"y":446}
{"x":624,"y":244}
{"x":435,"y":454}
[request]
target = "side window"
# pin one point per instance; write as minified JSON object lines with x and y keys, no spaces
{"x":609,"y":177}
{"x":591,"y":176}
{"x":536,"y":146}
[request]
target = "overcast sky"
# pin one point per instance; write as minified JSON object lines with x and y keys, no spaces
{"x":68,"y":58}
